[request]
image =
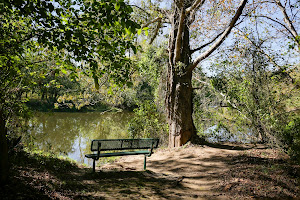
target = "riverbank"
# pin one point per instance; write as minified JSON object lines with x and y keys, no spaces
{"x":45,"y":106}
{"x":190,"y":172}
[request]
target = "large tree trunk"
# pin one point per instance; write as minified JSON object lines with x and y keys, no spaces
{"x":179,"y":82}
{"x":180,"y":110}
{"x":3,"y":151}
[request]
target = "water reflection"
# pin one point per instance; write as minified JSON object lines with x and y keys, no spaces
{"x":214,"y":134}
{"x":70,"y":134}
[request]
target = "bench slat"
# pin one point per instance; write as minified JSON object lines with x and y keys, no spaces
{"x":123,"y":144}
{"x":125,"y":153}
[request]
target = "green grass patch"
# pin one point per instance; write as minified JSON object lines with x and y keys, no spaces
{"x":42,"y":160}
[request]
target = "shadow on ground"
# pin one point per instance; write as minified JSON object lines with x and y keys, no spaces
{"x":38,"y":177}
{"x":198,"y":172}
{"x":261,"y":177}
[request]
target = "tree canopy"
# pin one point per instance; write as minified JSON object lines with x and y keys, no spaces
{"x":92,"y":35}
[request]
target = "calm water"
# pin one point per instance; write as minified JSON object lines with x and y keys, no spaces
{"x":70,"y":134}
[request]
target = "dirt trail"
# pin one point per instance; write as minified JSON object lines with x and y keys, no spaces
{"x":225,"y":171}
{"x":196,"y":170}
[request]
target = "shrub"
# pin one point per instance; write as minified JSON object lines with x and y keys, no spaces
{"x":148,"y":122}
{"x":291,"y":139}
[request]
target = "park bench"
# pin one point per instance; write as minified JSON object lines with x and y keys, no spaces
{"x":122,"y":147}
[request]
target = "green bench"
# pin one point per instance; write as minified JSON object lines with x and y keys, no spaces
{"x":122,"y":147}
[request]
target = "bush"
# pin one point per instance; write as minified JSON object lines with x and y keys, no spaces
{"x":148,"y":122}
{"x":291,"y":139}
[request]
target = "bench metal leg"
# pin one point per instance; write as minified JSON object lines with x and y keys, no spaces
{"x":94,"y":161}
{"x":145,"y":160}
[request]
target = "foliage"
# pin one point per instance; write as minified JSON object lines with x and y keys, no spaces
{"x":64,"y":26}
{"x":250,"y":94}
{"x":152,"y":68}
{"x":291,"y":138}
{"x":148,"y":122}
{"x":45,"y":39}
{"x":92,"y":35}
{"x":205,"y":101}
{"x":146,"y":84}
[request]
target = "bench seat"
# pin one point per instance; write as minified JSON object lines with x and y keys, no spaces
{"x":124,"y":153}
{"x":122,"y":147}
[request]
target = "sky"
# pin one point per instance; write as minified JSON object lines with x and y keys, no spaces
{"x":275,"y":44}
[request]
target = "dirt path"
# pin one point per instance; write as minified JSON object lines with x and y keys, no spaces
{"x":191,"y":172}
{"x":196,"y":171}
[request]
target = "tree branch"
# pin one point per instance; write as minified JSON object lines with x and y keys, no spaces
{"x":194,"y":7}
{"x":224,"y":96}
{"x":179,"y":35}
{"x":140,"y":9}
{"x":151,"y":22}
{"x":156,"y":32}
{"x":288,"y":22}
{"x":267,"y":56}
{"x":222,"y":37}
{"x":278,"y":22}
{"x":193,"y":11}
{"x":204,"y":45}
{"x":287,"y":19}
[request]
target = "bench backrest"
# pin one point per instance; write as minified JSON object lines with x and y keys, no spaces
{"x":124,"y":144}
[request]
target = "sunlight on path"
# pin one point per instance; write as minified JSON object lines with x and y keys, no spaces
{"x":197,"y":169}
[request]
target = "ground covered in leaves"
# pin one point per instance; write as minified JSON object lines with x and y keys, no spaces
{"x":227,"y":171}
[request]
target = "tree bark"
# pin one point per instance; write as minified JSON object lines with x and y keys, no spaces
{"x":3,"y":151}
{"x":180,"y":109}
{"x":179,"y":81}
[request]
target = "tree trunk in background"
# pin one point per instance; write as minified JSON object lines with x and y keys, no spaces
{"x":179,"y":83}
{"x":3,"y":151}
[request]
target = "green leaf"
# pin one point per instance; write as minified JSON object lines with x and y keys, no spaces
{"x":146,"y":33}
{"x":117,"y":6}
{"x":64,"y":71}
{"x":128,"y":31}
{"x":139,"y":31}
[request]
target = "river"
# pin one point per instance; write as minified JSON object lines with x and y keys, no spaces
{"x":70,"y":134}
